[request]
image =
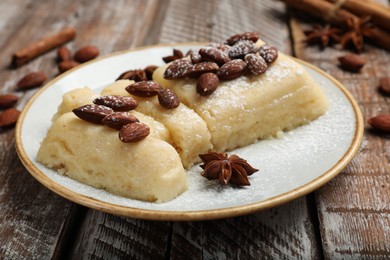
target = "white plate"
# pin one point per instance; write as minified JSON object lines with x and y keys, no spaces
{"x":296,"y":164}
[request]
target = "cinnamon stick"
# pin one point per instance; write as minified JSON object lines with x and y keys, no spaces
{"x":380,"y":14}
{"x":329,"y":13}
{"x":42,"y":46}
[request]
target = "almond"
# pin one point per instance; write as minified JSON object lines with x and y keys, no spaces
{"x":256,"y":64}
{"x":92,"y":113}
{"x":177,"y":69}
{"x":144,"y":88}
{"x":32,"y":80}
{"x":136,"y":75}
{"x":195,"y":56}
{"x":231,"y":70}
{"x":67,"y":65}
{"x":241,"y":48}
{"x":207,"y":84}
{"x":381,"y":123}
{"x":384,"y":85}
{"x":168,"y":99}
{"x":352,"y":62}
{"x":63,"y":54}
{"x":220,"y":46}
{"x":9,"y":117}
{"x":198,"y":69}
{"x":214,"y":55}
{"x":268,"y":52}
{"x":86,"y":53}
{"x":133,"y":132}
{"x":8,"y":100}
{"x":250,"y":36}
{"x":117,"y":120}
{"x":117,"y":103}
{"x":149,"y":70}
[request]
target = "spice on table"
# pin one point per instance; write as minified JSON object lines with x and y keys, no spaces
{"x":42,"y":46}
{"x":8,"y":100}
{"x":384,"y":85}
{"x":9,"y":117}
{"x":86,"y":53}
{"x":358,"y":30}
{"x":32,"y":80}
{"x":323,"y":35}
{"x":352,"y":62}
{"x":233,"y":169}
{"x":381,"y":123}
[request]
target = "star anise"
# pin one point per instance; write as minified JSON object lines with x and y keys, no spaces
{"x":233,"y":169}
{"x":323,"y":35}
{"x":357,"y":30}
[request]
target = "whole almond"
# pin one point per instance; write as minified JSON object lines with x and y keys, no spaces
{"x":117,"y":120}
{"x":384,"y":85}
{"x":256,"y":64}
{"x":67,"y":65}
{"x":92,"y":113}
{"x":352,"y":62}
{"x":63,"y":54}
{"x":381,"y":123}
{"x":149,"y":70}
{"x":86,"y":53}
{"x":214,"y":55}
{"x":32,"y":80}
{"x":168,"y":99}
{"x":177,"y":69}
{"x":220,"y":46}
{"x":195,"y":56}
{"x":207,"y":84}
{"x":144,"y":88}
{"x":250,"y":36}
{"x":268,"y":52}
{"x":241,"y":48}
{"x":8,"y":100}
{"x":136,"y":75}
{"x":9,"y":117}
{"x":117,"y":103}
{"x":231,"y":70}
{"x":133,"y":132}
{"x":198,"y":69}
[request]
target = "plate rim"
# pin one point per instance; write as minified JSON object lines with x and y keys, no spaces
{"x":198,"y":215}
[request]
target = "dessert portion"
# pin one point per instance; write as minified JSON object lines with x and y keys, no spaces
{"x":245,"y":107}
{"x":188,"y":131}
{"x":148,"y":170}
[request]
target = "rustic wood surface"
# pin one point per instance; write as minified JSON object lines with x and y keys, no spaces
{"x":347,"y":218}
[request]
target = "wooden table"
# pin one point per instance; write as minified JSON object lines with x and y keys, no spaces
{"x":347,"y":218}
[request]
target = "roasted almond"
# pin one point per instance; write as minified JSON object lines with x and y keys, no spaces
{"x":241,"y":48}
{"x":92,"y":113}
{"x":352,"y":62}
{"x":63,"y":54}
{"x":250,"y":36}
{"x":67,"y":65}
{"x":136,"y":75}
{"x":268,"y":52}
{"x":133,"y":132}
{"x":256,"y":64}
{"x":220,"y":46}
{"x":231,"y":70}
{"x":168,"y":99}
{"x":384,"y":85}
{"x":214,"y":55}
{"x":9,"y":117}
{"x":86,"y":53}
{"x":200,"y":68}
{"x":117,"y":120}
{"x":32,"y":80}
{"x":177,"y":69}
{"x":149,"y":70}
{"x":117,"y":103}
{"x":8,"y":100}
{"x":381,"y":123}
{"x":195,"y":56}
{"x":144,"y":88}
{"x":207,"y":84}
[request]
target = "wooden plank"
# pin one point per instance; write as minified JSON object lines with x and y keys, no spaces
{"x":34,"y":222}
{"x":284,"y":232}
{"x":354,"y":208}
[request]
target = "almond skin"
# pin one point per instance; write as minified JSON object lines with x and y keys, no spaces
{"x":9,"y":117}
{"x":231,"y":70}
{"x":117,"y":120}
{"x":63,"y":54}
{"x":168,"y":99}
{"x":381,"y":123}
{"x":86,"y":53}
{"x":67,"y":65}
{"x":133,"y":132}
{"x":352,"y":62}
{"x":207,"y":84}
{"x":250,"y":36}
{"x":32,"y":80}
{"x":144,"y":88}
{"x":92,"y":113}
{"x":384,"y":85}
{"x":8,"y":100}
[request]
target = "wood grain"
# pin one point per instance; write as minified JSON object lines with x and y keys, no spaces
{"x":354,"y":208}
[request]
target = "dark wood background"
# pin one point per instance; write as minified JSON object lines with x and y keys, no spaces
{"x":347,"y":218}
